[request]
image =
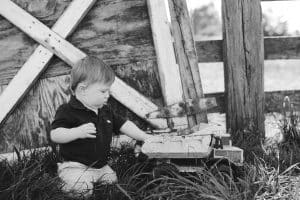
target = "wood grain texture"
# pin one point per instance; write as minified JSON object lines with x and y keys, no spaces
{"x":29,"y":124}
{"x":116,"y":30}
{"x":243,"y":66}
{"x":279,"y":47}
{"x":39,"y":60}
{"x":186,"y":56}
{"x":170,"y":80}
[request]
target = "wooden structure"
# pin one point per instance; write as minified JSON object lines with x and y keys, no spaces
{"x":135,"y":39}
{"x":243,"y":64}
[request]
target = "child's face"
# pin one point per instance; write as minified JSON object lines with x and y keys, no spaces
{"x":96,"y":94}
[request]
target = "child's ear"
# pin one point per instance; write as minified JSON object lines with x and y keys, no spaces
{"x":81,"y":88}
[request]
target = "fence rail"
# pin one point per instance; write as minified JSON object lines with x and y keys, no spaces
{"x":282,"y":47}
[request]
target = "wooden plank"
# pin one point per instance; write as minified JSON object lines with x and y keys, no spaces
{"x":118,"y":31}
{"x":39,"y":60}
{"x":186,"y":56}
{"x":163,"y":43}
{"x":168,"y":69}
{"x":279,"y":47}
{"x":185,"y":108}
{"x":70,"y":54}
{"x":209,"y":51}
{"x":29,"y":125}
{"x":273,"y":100}
{"x":243,"y":66}
{"x":282,"y":47}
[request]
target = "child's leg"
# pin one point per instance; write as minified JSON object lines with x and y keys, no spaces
{"x":107,"y":175}
{"x":79,"y":178}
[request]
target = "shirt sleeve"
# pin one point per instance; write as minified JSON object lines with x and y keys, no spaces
{"x":118,"y":122}
{"x":62,"y":118}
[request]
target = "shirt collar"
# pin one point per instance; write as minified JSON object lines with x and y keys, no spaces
{"x":75,"y":103}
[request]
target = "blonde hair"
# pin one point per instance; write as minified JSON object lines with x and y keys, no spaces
{"x":91,"y":70}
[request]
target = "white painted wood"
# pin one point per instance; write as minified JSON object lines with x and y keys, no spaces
{"x":163,"y":43}
{"x":70,"y":54}
{"x":38,"y":61}
{"x":168,"y":69}
{"x":40,"y":33}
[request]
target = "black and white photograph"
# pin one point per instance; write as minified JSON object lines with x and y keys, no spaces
{"x":149,"y":100}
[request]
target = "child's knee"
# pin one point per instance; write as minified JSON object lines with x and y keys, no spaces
{"x":108,"y":176}
{"x":76,"y":181}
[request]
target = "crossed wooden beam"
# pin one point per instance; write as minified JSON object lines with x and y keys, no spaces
{"x":53,"y":42}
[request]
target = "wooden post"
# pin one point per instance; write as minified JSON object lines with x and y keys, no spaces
{"x":243,"y":65}
{"x":166,"y":62}
{"x":186,"y":56}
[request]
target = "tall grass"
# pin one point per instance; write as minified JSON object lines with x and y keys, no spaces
{"x":31,"y":177}
{"x":271,"y":175}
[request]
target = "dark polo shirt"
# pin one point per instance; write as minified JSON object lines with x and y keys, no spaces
{"x":92,"y":151}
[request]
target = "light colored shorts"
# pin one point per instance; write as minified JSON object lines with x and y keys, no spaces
{"x":79,"y":179}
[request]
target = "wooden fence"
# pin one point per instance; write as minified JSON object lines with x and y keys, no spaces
{"x":135,"y":37}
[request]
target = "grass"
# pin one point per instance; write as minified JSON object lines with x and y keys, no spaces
{"x":267,"y":174}
{"x":34,"y":177}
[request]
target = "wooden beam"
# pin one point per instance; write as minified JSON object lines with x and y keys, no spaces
{"x":282,"y":47}
{"x":243,"y":66}
{"x":168,"y":69}
{"x":186,"y":56}
{"x":209,"y":51}
{"x":279,"y":47}
{"x":185,"y":108}
{"x":38,"y":61}
{"x":70,"y":54}
{"x":273,"y":101}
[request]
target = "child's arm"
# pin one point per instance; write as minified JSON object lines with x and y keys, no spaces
{"x":65,"y":135}
{"x":131,"y":130}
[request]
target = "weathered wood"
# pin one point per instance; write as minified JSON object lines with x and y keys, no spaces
{"x":116,"y":30}
{"x":184,"y":108}
{"x":243,"y":65}
{"x":273,"y":100}
{"x":71,"y":55}
{"x":163,"y":43}
{"x":209,"y":51}
{"x":283,"y":47}
{"x":280,"y":47}
{"x":28,"y":124}
{"x":167,"y":67}
{"x":186,"y":56}
{"x":38,"y":61}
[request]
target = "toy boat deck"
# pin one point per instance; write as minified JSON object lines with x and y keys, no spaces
{"x":193,"y":146}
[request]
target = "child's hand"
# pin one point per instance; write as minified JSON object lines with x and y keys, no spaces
{"x":86,"y":131}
